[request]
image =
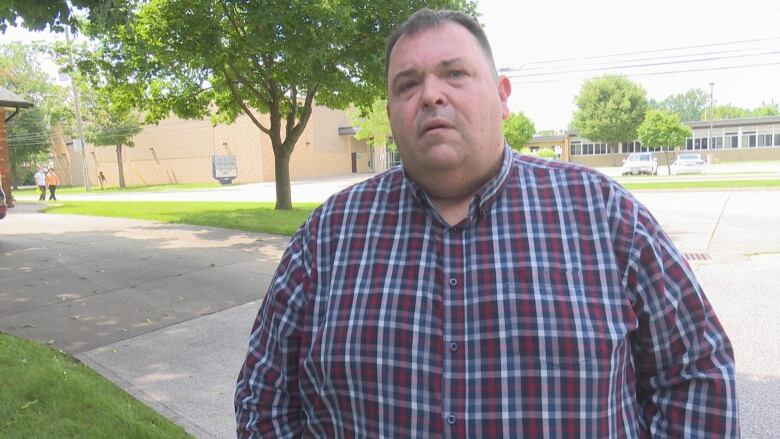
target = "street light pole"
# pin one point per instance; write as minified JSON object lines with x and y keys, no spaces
{"x":712,"y":116}
{"x":79,"y":122}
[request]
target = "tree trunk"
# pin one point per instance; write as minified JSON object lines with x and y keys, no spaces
{"x":120,"y":167}
{"x":666,"y":156}
{"x":282,"y":171}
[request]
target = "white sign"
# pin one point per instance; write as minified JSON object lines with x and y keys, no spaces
{"x":224,"y":166}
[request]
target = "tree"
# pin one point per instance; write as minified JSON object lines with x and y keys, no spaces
{"x":518,"y":130}
{"x":372,"y":124}
{"x":663,"y":129}
{"x":688,"y":106}
{"x":610,"y":109}
{"x":212,"y":58}
{"x":110,"y":123}
{"x":764,"y":110}
{"x":56,"y":14}
{"x":29,"y":132}
{"x":727,"y":111}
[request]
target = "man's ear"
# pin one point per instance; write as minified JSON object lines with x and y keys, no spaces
{"x":504,"y":90}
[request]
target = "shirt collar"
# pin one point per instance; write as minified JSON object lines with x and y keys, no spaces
{"x":484,"y":197}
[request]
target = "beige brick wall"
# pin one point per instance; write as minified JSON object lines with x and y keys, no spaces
{"x":180,"y":151}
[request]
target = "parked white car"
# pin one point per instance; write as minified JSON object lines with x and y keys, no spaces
{"x":688,"y":163}
{"x":640,"y":163}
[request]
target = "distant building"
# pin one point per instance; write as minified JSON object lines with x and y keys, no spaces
{"x":755,"y":138}
{"x":181,"y":151}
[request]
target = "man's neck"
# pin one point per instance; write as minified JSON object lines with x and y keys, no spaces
{"x":452,"y":211}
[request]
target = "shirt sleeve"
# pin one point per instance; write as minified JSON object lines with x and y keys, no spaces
{"x":683,"y":359}
{"x":267,"y":400}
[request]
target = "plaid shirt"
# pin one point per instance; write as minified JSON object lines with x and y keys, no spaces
{"x":558,"y":308}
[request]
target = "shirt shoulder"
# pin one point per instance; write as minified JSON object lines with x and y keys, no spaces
{"x":371,"y":194}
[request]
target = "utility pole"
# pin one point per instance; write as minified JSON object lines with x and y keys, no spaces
{"x":710,"y":142}
{"x":79,"y":122}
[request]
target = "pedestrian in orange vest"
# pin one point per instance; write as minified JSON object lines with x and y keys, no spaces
{"x":52,"y":180}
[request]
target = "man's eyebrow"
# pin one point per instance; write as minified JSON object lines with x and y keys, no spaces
{"x":413,"y":71}
{"x":451,"y":61}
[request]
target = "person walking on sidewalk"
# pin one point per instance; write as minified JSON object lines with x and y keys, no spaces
{"x":478,"y":292}
{"x":101,"y":179}
{"x":52,"y":181}
{"x":40,"y":181}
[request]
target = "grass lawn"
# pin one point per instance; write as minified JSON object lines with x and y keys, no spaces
{"x":150,"y":188}
{"x":251,"y":217}
{"x":703,"y":184}
{"x":48,"y":394}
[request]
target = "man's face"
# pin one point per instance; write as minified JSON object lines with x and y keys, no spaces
{"x":446,"y":107}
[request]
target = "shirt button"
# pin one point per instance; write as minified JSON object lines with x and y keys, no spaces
{"x":451,"y":419}
{"x":453,"y":282}
{"x":453,"y":346}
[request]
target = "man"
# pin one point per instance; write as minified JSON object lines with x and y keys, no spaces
{"x":40,"y":181}
{"x":476,"y":292}
{"x":52,"y":181}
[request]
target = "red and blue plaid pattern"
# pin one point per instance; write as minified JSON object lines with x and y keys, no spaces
{"x":558,"y":308}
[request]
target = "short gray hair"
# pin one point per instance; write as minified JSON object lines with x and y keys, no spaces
{"x":427,"y":19}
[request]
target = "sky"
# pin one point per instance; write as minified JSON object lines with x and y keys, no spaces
{"x":527,"y":32}
{"x":529,"y":36}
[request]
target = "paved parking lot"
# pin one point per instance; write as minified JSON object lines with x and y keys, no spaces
{"x":164,"y":310}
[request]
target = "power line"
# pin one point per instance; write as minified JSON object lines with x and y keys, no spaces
{"x":774,"y":52}
{"x":508,"y":69}
{"x":669,"y":72}
{"x":665,"y":57}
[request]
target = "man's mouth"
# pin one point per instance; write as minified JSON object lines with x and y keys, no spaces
{"x":433,"y":125}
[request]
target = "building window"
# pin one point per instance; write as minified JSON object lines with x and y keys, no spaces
{"x":777,"y":139}
{"x":576,"y":148}
{"x":732,"y":140}
{"x":689,"y":143}
{"x":749,"y":139}
{"x":717,"y":143}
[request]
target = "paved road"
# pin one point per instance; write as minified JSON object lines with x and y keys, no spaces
{"x":164,"y":310}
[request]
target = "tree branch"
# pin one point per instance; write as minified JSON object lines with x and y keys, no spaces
{"x":242,"y":104}
{"x":293,"y":108}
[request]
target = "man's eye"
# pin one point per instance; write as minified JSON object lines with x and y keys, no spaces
{"x":408,"y":85}
{"x":456,"y":73}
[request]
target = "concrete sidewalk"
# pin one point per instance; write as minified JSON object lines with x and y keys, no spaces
{"x":162,"y":310}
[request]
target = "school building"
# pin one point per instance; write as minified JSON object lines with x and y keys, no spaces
{"x":181,"y":151}
{"x":754,"y":139}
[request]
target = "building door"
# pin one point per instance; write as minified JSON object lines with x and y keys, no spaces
{"x":354,"y":163}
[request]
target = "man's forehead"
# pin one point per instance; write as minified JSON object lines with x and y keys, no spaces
{"x":430,"y":46}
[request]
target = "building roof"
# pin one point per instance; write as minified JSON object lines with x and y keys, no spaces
{"x":735,"y":122}
{"x":13,"y":100}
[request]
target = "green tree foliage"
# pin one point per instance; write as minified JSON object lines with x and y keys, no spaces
{"x":766,"y":109}
{"x":373,"y":124}
{"x":56,"y":14}
{"x":726,"y":111}
{"x":202,"y":58}
{"x":610,"y":109}
{"x":110,"y":122}
{"x":689,"y":106}
{"x":662,"y":129}
{"x":518,"y":130}
{"x":29,"y":132}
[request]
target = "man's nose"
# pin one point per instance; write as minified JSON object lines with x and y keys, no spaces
{"x":432,"y":93}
